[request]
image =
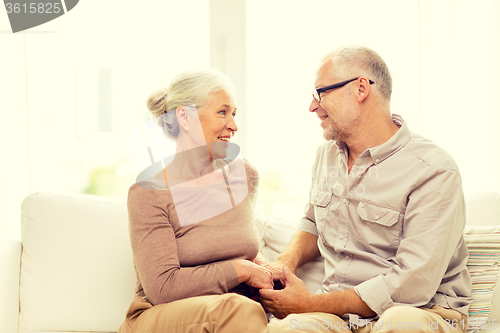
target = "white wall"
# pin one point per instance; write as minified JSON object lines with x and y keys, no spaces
{"x":460,"y":68}
{"x":15,"y":171}
{"x":443,"y":56}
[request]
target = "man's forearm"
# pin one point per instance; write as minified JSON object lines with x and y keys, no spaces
{"x":303,"y":248}
{"x":338,"y":303}
{"x":295,"y":298}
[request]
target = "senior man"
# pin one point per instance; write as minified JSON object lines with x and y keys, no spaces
{"x":386,"y":212}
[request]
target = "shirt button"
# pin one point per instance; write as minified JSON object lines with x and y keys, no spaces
{"x":377,"y":160}
{"x":376,"y":217}
{"x":347,"y":257}
{"x":341,"y":236}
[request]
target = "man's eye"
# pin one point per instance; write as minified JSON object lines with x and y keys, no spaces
{"x":234,"y":114}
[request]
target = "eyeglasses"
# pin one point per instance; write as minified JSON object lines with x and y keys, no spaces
{"x":317,"y":92}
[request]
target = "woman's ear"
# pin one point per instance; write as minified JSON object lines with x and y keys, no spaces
{"x":182,"y":117}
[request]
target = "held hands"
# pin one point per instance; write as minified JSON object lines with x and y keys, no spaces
{"x":292,"y":299}
{"x":276,"y":269}
{"x":252,"y":274}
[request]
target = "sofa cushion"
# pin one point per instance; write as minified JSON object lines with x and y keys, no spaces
{"x":77,"y":272}
{"x":483,"y":209}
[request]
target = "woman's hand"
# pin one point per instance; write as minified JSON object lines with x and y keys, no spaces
{"x":260,"y":259}
{"x":252,"y":274}
{"x":276,"y":269}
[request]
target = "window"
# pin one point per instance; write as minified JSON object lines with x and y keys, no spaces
{"x":77,"y":89}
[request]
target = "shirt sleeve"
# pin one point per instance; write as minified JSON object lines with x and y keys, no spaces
{"x":432,"y":233}
{"x":307,"y":223}
{"x":156,"y":258}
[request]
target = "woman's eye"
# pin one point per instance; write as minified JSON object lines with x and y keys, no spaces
{"x":222,"y":112}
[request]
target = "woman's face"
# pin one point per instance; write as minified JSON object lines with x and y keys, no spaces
{"x":217,"y":122}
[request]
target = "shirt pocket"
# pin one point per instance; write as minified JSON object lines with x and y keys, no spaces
{"x":380,"y":228}
{"x":321,"y":203}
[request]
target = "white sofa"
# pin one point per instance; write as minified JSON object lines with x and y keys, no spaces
{"x":73,"y":271}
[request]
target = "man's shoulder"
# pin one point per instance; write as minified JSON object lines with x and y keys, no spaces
{"x":429,"y":153}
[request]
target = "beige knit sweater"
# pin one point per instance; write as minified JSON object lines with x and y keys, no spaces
{"x":174,"y":262}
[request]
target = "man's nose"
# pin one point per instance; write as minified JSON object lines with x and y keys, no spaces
{"x":314,"y":106}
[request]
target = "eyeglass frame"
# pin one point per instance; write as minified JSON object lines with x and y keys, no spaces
{"x":333,"y":86}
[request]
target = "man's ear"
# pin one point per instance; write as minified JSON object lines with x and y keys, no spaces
{"x":363,"y":89}
{"x":182,"y":117}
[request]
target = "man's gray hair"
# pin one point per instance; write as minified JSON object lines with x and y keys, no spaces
{"x":353,"y":61}
{"x":192,"y":88}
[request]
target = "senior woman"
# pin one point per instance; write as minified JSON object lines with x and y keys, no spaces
{"x":192,"y":230}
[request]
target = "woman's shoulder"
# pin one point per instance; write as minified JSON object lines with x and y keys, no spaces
{"x":153,"y":183}
{"x":147,"y":194}
{"x":250,"y":168}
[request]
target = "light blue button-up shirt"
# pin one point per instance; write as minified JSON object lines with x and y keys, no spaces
{"x":392,"y":228}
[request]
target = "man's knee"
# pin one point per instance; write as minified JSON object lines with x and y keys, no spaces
{"x":401,"y":312}
{"x":292,"y":323}
{"x":402,"y":319}
{"x":309,"y":322}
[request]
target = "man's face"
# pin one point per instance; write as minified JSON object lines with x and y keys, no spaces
{"x":336,"y":109}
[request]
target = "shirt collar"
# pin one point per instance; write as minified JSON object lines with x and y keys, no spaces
{"x":395,"y":143}
{"x":391,"y":146}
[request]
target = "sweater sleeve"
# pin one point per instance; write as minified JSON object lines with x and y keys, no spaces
{"x":156,"y":257}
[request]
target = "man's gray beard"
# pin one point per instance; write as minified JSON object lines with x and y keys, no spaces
{"x":328,"y":133}
{"x":332,"y":133}
{"x":341,"y":131}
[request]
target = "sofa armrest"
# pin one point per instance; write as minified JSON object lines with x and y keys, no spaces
{"x":10,"y":264}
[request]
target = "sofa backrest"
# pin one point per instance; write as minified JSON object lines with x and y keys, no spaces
{"x":76,"y":270}
{"x":483,"y":209}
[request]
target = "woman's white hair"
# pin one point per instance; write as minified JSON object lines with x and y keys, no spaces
{"x":353,"y":61}
{"x":188,"y":89}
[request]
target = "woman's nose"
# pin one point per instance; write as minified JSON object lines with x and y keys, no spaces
{"x":231,"y":125}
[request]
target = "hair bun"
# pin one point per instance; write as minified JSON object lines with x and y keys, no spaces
{"x":157,"y":102}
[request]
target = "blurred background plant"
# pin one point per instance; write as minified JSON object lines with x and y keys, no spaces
{"x":110,"y":181}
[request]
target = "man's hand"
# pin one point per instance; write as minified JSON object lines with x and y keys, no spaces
{"x":292,"y":299}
